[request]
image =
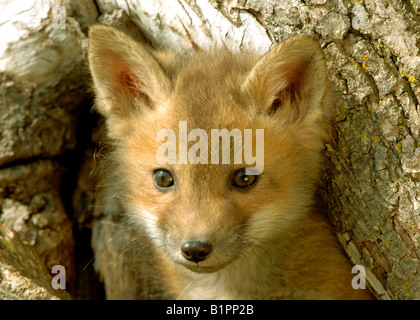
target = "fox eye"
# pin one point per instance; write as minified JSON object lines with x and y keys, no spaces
{"x":242,"y":180}
{"x":163,"y":179}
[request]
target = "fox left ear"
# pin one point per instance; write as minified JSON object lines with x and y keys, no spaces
{"x":290,"y":80}
{"x":126,"y":76}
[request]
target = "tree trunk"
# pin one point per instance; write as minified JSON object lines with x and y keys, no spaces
{"x":43,"y":85}
{"x":371,"y":180}
{"x":22,"y":274}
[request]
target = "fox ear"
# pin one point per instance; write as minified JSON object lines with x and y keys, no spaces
{"x":289,"y":80}
{"x":126,"y":76}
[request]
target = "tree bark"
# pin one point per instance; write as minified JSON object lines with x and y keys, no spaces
{"x":42,"y":86}
{"x":23,"y":276}
{"x":371,"y":178}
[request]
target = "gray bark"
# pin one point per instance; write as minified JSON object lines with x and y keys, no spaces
{"x":23,"y":276}
{"x":371,"y":180}
{"x":43,"y":84}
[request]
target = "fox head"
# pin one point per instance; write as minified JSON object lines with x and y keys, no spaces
{"x":206,"y":215}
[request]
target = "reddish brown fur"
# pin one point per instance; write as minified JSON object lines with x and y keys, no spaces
{"x":268,"y":241}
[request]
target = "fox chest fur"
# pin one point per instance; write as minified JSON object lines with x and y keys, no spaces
{"x":205,"y":190}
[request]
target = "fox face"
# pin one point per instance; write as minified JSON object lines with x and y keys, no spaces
{"x":200,"y":212}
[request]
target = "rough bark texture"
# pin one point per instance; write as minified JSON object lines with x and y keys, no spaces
{"x":22,"y":273}
{"x":371,"y":182}
{"x":43,"y":85}
{"x":32,"y":206}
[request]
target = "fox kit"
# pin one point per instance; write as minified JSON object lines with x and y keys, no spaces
{"x":191,"y":228}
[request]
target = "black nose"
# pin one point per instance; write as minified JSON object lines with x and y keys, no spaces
{"x":196,"y":250}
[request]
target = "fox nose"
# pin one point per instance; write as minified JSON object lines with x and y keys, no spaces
{"x":196,"y":251}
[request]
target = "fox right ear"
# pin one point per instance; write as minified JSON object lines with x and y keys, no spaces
{"x":290,"y":81}
{"x":126,"y":76}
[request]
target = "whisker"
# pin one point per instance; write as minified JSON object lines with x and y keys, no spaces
{"x":186,"y":288}
{"x":91,"y":260}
